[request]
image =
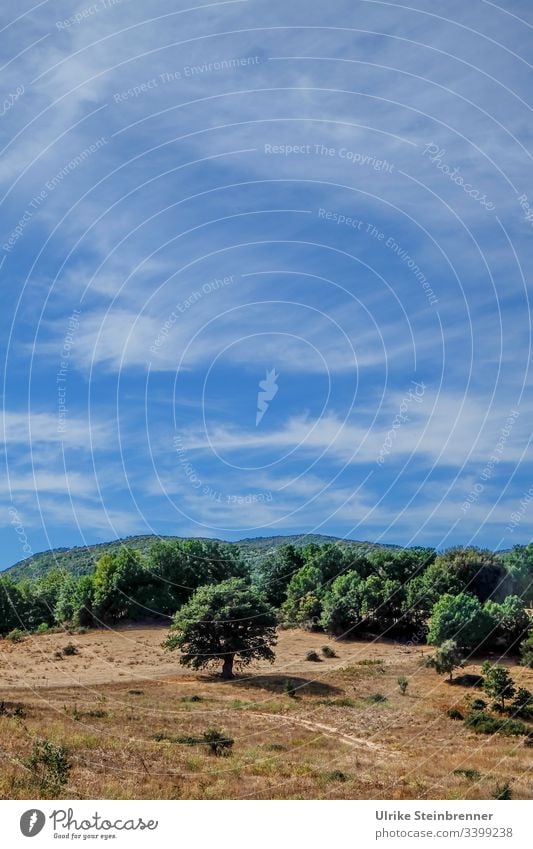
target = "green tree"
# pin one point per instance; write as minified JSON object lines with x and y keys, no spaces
{"x":460,"y":618}
{"x":119,"y":580}
{"x":519,"y":563}
{"x":178,"y":568}
{"x":304,"y":597}
{"x":341,"y":612}
{"x":526,"y":651}
{"x":75,"y":601}
{"x":447,"y":658}
{"x":498,"y":682}
{"x":276,"y":572}
{"x":510,"y":620}
{"x":10,"y":605}
{"x":229,"y":622}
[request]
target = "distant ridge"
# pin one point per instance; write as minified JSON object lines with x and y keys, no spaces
{"x":81,"y":560}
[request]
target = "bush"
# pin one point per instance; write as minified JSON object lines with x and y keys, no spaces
{"x":14,"y":710}
{"x":70,"y":649}
{"x":376,"y":698}
{"x":484,"y":723}
{"x":327,"y":651}
{"x":522,"y":704}
{"x":43,"y":628}
{"x":16,"y":635}
{"x":478,"y":704}
{"x":526,"y":652}
{"x":454,"y":713}
{"x":289,"y":688}
{"x":313,"y":656}
{"x":470,"y":774}
{"x":336,"y":775}
{"x":50,"y":767}
{"x":403,"y":683}
{"x":502,"y":791}
{"x":218,"y":742}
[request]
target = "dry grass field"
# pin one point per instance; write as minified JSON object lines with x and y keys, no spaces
{"x":122,"y":706}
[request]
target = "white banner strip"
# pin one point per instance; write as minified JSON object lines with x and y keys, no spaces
{"x":267,"y":824}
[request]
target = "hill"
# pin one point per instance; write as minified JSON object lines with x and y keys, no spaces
{"x":81,"y":560}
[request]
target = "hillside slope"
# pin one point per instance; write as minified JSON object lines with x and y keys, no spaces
{"x":81,"y":560}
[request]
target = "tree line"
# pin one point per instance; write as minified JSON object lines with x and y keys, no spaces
{"x":472,"y":596}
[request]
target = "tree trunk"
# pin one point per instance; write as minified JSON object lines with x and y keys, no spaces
{"x":227,"y":668}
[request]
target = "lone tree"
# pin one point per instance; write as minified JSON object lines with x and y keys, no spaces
{"x":498,"y":682}
{"x":446,"y":658}
{"x":228,"y":622}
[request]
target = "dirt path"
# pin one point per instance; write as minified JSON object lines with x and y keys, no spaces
{"x":328,"y":731}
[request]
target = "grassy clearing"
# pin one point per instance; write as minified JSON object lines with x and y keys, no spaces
{"x":345,"y":732}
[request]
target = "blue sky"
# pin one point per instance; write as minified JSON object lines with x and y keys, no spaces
{"x":331,"y":199}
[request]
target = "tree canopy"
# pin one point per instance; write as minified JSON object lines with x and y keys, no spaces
{"x":228,"y":622}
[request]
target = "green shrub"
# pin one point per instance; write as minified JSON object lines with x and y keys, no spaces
{"x":403,"y":684}
{"x":289,"y":688}
{"x":502,"y":791}
{"x":478,"y":704}
{"x":454,"y":713}
{"x":313,"y":656}
{"x":336,"y":775}
{"x":70,"y":649}
{"x":470,"y":774}
{"x":43,"y":628}
{"x":218,"y":742}
{"x":376,"y":698}
{"x":49,"y":766}
{"x":522,"y":704}
{"x":16,"y":635}
{"x":136,"y":692}
{"x":327,"y":651}
{"x":484,"y":723}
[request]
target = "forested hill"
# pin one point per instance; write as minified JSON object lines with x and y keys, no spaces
{"x":81,"y":560}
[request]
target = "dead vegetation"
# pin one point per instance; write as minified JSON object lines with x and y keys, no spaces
{"x":133,"y":724}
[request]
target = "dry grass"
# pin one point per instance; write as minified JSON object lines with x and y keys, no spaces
{"x":122,"y":704}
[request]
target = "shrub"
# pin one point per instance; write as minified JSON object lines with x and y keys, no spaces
{"x":484,"y":723}
{"x":43,"y":628}
{"x":17,"y":710}
{"x":70,"y":649}
{"x":218,"y":742}
{"x":403,"y":684}
{"x":313,"y":656}
{"x":470,"y":774}
{"x":327,"y":651}
{"x":336,"y":775}
{"x":193,"y":698}
{"x":50,"y":767}
{"x":446,"y":658}
{"x":376,"y":698}
{"x":502,"y":791}
{"x":526,"y":652}
{"x":478,"y":704}
{"x":135,"y":692}
{"x":498,"y":682}
{"x":454,"y":713}
{"x":522,"y":704}
{"x":289,"y":688}
{"x":16,"y":635}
